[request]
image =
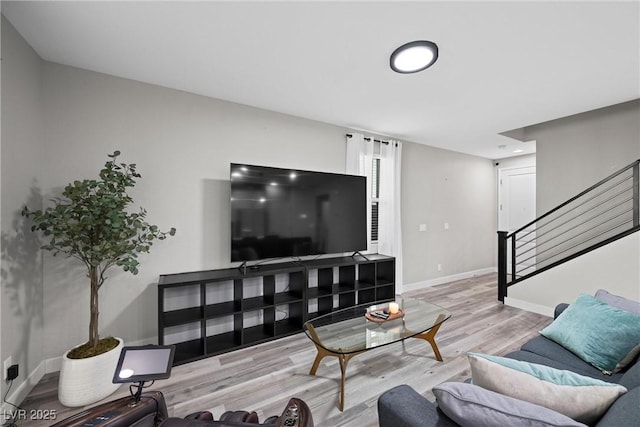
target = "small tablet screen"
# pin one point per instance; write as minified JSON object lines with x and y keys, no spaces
{"x":144,"y":363}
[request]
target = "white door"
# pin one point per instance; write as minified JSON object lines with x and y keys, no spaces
{"x":516,"y":208}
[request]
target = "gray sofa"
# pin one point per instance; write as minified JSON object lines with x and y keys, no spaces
{"x":402,"y":406}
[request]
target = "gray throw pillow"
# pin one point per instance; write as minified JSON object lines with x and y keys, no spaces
{"x":627,"y":305}
{"x":474,"y":406}
{"x":618,"y":301}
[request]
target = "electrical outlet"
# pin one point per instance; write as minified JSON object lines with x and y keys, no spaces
{"x":439,"y":267}
{"x":5,"y":367}
{"x":12,"y":372}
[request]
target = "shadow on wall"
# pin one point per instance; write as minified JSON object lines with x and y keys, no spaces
{"x":136,"y":319}
{"x":21,"y":273}
{"x":137,"y":306}
{"x":216,"y":225}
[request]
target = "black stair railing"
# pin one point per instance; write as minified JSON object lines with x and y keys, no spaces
{"x":601,"y":214}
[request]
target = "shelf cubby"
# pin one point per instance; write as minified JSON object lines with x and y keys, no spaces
{"x":182,"y":316}
{"x":188,"y":351}
{"x":386,"y":292}
{"x":346,"y":299}
{"x":256,"y":334}
{"x":292,"y":321}
{"x":367,"y":295}
{"x":219,"y":343}
{"x":386,"y":272}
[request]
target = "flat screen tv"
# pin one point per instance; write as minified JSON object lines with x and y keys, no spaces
{"x":279,"y":213}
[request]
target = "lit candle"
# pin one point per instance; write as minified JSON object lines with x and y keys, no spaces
{"x":393,"y":307}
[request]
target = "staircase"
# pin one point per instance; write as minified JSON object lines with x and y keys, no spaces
{"x":601,"y":214}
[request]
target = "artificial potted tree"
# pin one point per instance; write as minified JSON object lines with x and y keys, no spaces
{"x":92,"y":223}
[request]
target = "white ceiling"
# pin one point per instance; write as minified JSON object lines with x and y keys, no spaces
{"x":502,"y":66}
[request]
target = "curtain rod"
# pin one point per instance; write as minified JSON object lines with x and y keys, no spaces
{"x":369,"y":139}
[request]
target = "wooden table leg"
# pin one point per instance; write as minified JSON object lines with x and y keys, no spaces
{"x":343,"y":370}
{"x":430,"y":337}
{"x":322,"y":353}
{"x":342,"y":358}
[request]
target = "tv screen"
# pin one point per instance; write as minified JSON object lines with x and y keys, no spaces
{"x":291,"y":213}
{"x":144,"y":363}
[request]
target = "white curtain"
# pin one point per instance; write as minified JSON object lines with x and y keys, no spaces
{"x":389,"y":214}
{"x":360,"y":162}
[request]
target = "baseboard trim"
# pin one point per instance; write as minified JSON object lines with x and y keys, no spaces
{"x":52,"y":365}
{"x":529,"y":306}
{"x":446,"y":279}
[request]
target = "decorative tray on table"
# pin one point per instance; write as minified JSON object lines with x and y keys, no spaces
{"x":380,"y":316}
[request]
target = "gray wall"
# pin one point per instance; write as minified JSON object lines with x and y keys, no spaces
{"x":65,"y":120}
{"x":21,"y":296}
{"x":439,"y":187}
{"x":575,"y":152}
{"x":182,"y":144}
{"x":614,"y":267}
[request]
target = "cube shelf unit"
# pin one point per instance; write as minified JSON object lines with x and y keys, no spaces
{"x":205,"y":313}
{"x":344,"y":282}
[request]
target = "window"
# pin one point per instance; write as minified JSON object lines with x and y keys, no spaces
{"x":375,"y":194}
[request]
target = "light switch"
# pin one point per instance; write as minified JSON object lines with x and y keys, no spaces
{"x":446,"y":225}
{"x":423,"y":227}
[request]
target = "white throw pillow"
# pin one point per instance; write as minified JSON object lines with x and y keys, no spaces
{"x":581,"y":398}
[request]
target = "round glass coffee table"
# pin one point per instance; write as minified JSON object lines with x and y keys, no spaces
{"x":348,"y":332}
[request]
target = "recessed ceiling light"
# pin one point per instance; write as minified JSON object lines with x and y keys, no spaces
{"x":413,"y":57}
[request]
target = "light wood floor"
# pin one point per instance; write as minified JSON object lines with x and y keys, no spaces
{"x":263,"y":377}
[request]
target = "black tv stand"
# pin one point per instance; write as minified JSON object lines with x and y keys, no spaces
{"x":227,"y":309}
{"x":359,"y":253}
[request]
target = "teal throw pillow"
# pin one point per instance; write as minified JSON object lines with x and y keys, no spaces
{"x":598,"y":333}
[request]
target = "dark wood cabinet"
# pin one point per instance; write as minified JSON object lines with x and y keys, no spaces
{"x":205,"y":313}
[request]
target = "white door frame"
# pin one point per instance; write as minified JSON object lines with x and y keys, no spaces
{"x":502,"y":214}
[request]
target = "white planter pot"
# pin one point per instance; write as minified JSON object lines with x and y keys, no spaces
{"x":86,"y":381}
